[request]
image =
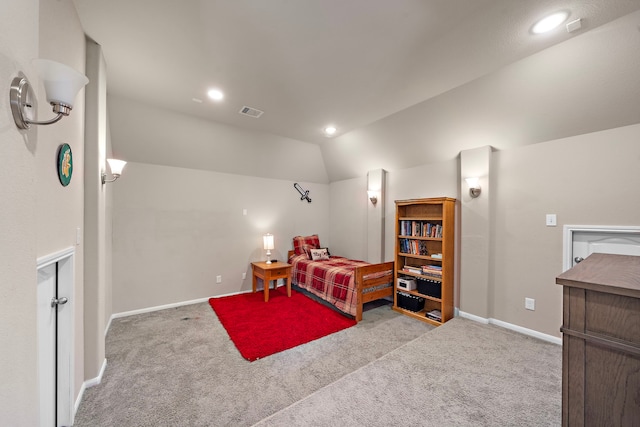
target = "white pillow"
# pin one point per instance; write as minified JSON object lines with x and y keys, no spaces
{"x":319,"y":254}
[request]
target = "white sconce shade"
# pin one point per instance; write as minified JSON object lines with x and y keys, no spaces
{"x":116,"y":167}
{"x":474,"y":186}
{"x":268,"y":244}
{"x":61,"y":82}
{"x":373,"y":196}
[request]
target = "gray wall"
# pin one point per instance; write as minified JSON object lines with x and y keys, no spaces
{"x":176,"y":229}
{"x":38,"y":215}
{"x":60,"y":210}
{"x":586,"y":180}
{"x":348,"y":213}
{"x":18,"y":189}
{"x":97,"y":237}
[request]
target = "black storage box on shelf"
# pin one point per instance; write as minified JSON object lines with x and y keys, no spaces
{"x":431,"y":288}
{"x":410,"y":302}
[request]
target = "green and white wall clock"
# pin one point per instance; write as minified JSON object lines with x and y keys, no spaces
{"x":65,"y":164}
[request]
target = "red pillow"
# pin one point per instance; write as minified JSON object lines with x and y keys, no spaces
{"x":301,"y":245}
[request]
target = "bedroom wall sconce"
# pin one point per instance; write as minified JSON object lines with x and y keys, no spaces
{"x":116,"y":167}
{"x":267,"y":241}
{"x":373,"y":196}
{"x":61,"y":83}
{"x":474,"y":186}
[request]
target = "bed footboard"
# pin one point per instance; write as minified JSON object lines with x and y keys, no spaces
{"x":370,"y":280}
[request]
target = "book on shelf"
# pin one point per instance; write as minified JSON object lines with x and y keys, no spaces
{"x":411,"y":269}
{"x":420,"y":229}
{"x":432,"y":270}
{"x":413,"y":247}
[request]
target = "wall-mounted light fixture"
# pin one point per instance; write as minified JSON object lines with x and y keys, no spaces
{"x":373,"y":196}
{"x":116,"y":167}
{"x":267,"y":241}
{"x":62,"y":84}
{"x":474,"y":186}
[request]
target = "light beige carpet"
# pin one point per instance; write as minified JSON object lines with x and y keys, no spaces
{"x":460,"y":374}
{"x":177,"y":367}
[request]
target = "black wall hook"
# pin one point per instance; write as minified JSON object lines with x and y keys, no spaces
{"x":303,"y":193}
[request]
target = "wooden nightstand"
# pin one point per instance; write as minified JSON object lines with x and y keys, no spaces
{"x":269,"y":272}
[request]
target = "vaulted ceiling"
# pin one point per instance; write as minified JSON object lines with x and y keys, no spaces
{"x":356,"y":64}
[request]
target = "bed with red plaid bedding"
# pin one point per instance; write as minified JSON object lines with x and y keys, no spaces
{"x":342,"y":282}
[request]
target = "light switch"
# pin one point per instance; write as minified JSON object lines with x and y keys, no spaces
{"x":530,"y":303}
{"x":551,"y":220}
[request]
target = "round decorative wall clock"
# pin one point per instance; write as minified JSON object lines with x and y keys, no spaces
{"x":65,"y":164}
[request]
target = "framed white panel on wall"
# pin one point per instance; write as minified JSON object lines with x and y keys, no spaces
{"x":581,"y":240}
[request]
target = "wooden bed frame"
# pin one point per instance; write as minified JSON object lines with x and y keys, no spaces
{"x":361,"y":283}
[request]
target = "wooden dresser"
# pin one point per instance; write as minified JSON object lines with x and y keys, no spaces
{"x":601,"y":342}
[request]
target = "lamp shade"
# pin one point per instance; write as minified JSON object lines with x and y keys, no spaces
{"x":268,"y":241}
{"x":61,"y":82}
{"x":473,"y":182}
{"x":116,"y":166}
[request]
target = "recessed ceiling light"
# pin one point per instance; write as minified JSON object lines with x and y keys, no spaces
{"x":215,"y":94}
{"x":330,"y":130}
{"x":549,"y":23}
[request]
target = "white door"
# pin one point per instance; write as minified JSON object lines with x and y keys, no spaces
{"x":47,"y":344}
{"x":586,"y":240}
{"x":55,"y":339}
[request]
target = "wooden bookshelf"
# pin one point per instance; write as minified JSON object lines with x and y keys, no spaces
{"x":425,"y":244}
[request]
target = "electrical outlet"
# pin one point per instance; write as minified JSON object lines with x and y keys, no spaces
{"x":218,"y":279}
{"x":529,"y":303}
{"x":244,"y":276}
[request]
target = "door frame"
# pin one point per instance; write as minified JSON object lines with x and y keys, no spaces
{"x":65,"y":334}
{"x":569,"y":230}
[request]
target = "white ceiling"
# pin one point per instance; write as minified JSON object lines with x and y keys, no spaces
{"x":308,"y":63}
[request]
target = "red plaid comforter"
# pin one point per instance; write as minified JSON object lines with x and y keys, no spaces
{"x":332,"y":280}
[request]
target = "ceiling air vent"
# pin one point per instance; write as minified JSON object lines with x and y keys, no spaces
{"x":251,"y":112}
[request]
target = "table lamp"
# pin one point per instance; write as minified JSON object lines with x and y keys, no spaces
{"x":268,"y":245}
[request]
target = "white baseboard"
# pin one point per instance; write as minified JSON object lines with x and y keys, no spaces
{"x":87,"y":384}
{"x":156,"y":308}
{"x":511,"y":326}
{"x":473,"y":317}
{"x":166,"y":306}
{"x":97,"y":380}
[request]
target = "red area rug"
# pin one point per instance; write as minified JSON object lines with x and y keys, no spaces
{"x":259,"y":329}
